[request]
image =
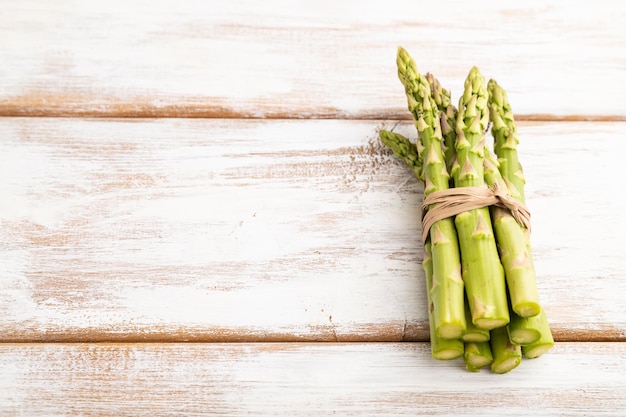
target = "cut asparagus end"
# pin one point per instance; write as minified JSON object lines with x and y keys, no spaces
{"x":477,"y":355}
{"x":527,"y":309}
{"x":536,"y":349}
{"x":476,"y":335}
{"x":490,"y":324}
{"x":506,"y":355}
{"x":545,"y":342}
{"x":450,"y":331}
{"x":449,"y":353}
{"x":525,"y":330}
{"x":524,"y":336}
{"x":473,"y":333}
{"x":506,"y":365}
{"x":478,"y":361}
{"x":488,"y":316}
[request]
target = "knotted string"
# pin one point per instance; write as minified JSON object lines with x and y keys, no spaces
{"x":442,"y":204}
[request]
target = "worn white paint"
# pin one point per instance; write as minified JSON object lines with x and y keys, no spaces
{"x":295,"y":59}
{"x":224,"y":229}
{"x":574,"y":379}
{"x":271,"y":230}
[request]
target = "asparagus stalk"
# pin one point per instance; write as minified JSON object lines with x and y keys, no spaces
{"x":524,"y":330}
{"x":447,"y":287}
{"x":482,"y":272}
{"x":447,"y":117}
{"x":404,"y":149}
{"x":442,"y":349}
{"x":477,"y":355}
{"x":521,"y":279}
{"x":506,"y":140}
{"x":506,"y":356}
{"x":545,"y":342}
{"x":505,"y":147}
{"x":473,"y":333}
{"x":514,"y":252}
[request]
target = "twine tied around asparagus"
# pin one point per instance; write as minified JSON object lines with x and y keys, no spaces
{"x":439,"y":205}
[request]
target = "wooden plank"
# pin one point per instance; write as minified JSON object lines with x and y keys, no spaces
{"x":574,"y":379}
{"x":283,"y":59}
{"x":273,"y":230}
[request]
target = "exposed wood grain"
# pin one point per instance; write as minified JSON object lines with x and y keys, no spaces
{"x":293,"y":60}
{"x":574,"y":379}
{"x":236,"y":229}
{"x":247,"y":230}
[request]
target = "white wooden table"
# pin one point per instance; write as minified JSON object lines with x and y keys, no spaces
{"x":210,"y":172}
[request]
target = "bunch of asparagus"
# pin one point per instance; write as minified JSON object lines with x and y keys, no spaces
{"x":483,"y":303}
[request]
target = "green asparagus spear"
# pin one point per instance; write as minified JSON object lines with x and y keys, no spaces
{"x":506,"y":140}
{"x":443,"y":349}
{"x":482,"y":272}
{"x":447,"y":117}
{"x":477,"y":355}
{"x":404,"y":149}
{"x":519,"y":267}
{"x":514,"y":253}
{"x":447,"y":289}
{"x":545,"y":342}
{"x":473,"y":333}
{"x":524,"y":331}
{"x":506,"y":355}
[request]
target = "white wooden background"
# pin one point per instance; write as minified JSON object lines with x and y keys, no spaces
{"x":210,"y":172}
